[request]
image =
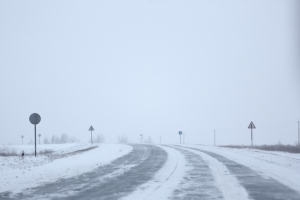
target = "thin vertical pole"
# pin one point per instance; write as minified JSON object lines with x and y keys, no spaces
{"x":298,"y":132}
{"x":91,"y":138}
{"x":214,"y":137}
{"x":35,"y":140}
{"x":251,"y":138}
{"x":180,"y":139}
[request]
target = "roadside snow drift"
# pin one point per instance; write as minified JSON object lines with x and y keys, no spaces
{"x":65,"y":161}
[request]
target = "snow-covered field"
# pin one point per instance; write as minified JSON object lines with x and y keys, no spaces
{"x":18,"y":173}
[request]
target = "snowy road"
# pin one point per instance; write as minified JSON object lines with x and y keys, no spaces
{"x":257,"y":186}
{"x":108,"y":182}
{"x":164,"y":172}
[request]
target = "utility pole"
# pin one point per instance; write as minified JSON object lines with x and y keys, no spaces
{"x":215,"y":137}
{"x":298,"y":132}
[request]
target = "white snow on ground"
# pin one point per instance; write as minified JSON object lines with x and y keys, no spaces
{"x":29,"y":149}
{"x":165,"y":181}
{"x":226,"y":182}
{"x":283,"y":167}
{"x":18,"y":173}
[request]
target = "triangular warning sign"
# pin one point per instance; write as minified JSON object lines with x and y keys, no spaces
{"x":251,"y":125}
{"x":91,"y":128}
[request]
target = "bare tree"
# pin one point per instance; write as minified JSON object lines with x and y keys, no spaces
{"x":122,"y":139}
{"x":149,"y":140}
{"x":99,"y":139}
{"x":46,"y":141}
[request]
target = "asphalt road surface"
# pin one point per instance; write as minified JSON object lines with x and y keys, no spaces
{"x":124,"y":175}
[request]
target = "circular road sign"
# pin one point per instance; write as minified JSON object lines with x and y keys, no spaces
{"x":180,"y":132}
{"x":35,"y":118}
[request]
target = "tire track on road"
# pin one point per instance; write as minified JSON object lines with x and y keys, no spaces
{"x":258,"y":187}
{"x":112,"y":181}
{"x":198,"y":183}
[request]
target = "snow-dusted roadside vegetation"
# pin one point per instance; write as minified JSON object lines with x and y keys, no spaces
{"x":277,"y":147}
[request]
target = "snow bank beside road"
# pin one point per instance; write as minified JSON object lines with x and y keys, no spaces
{"x":17,"y":173}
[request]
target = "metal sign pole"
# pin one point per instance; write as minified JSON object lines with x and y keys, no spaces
{"x":180,"y":139}
{"x":91,"y":137}
{"x":35,"y":140}
{"x":251,"y":139}
{"x":298,"y":132}
{"x":251,"y":126}
{"x":35,"y":119}
{"x":91,"y":129}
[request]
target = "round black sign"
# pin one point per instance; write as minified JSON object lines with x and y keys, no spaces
{"x":180,"y":132}
{"x":35,"y":118}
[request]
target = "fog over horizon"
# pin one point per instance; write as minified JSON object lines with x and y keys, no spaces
{"x":152,"y":68}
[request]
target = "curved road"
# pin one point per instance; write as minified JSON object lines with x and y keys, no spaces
{"x":190,"y":177}
{"x":112,"y":181}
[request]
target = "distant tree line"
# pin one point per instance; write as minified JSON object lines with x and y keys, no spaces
{"x":122,"y":139}
{"x":149,"y":140}
{"x":277,"y":147}
{"x":63,"y":138}
{"x":99,"y":139}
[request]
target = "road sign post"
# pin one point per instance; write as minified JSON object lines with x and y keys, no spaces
{"x":298,"y":132}
{"x":251,"y":126}
{"x":22,"y":139}
{"x":91,"y":129}
{"x":35,"y":119}
{"x":180,"y":133}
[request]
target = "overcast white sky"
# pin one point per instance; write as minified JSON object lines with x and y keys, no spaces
{"x":152,"y":68}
